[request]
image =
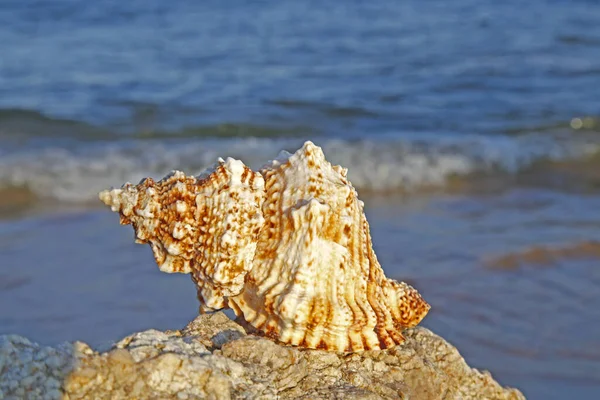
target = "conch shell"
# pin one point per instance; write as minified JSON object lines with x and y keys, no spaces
{"x":291,"y":254}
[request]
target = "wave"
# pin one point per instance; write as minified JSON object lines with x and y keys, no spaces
{"x":323,"y":108}
{"x":78,"y":174}
{"x":576,"y":125}
{"x":21,"y":125}
{"x":23,"y":128}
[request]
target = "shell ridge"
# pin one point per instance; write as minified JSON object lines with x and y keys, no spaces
{"x":363,"y":316}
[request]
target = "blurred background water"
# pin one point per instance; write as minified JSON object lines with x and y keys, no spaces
{"x":470,"y":128}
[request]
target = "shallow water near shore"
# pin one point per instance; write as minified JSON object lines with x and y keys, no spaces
{"x":534,"y":325}
{"x":471,"y":130}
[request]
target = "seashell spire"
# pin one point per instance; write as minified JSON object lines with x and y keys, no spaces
{"x":290,"y":254}
{"x":315,"y":280}
{"x":205,"y":225}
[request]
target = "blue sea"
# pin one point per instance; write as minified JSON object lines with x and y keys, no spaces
{"x":471,"y":130}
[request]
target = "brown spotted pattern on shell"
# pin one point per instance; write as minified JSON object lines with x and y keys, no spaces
{"x":205,"y":225}
{"x":315,"y":280}
{"x":292,"y":256}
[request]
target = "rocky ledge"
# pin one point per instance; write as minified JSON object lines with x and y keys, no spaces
{"x":214,"y":358}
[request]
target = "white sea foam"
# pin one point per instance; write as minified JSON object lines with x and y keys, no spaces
{"x":77,"y":175}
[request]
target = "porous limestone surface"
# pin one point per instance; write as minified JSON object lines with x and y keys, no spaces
{"x":213,"y":358}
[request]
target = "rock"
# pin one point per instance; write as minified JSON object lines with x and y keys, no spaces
{"x":213,"y":358}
